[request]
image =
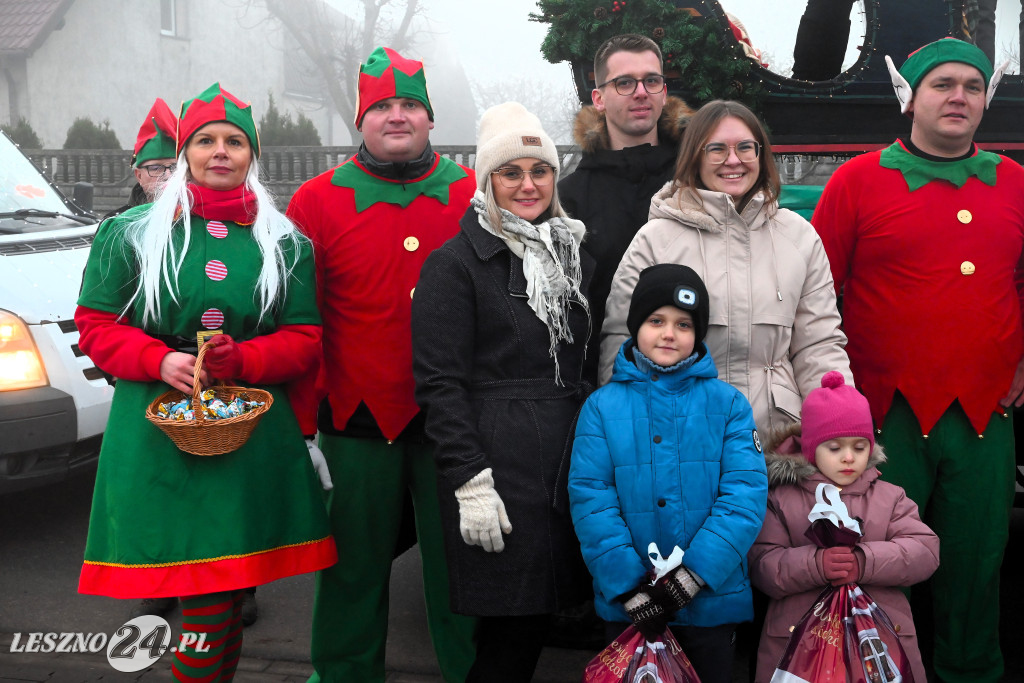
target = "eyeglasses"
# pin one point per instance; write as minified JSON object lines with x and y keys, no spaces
{"x":718,"y":152}
{"x":626,"y":85}
{"x":512,"y":177}
{"x":157,"y":170}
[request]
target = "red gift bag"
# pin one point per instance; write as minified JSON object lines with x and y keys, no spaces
{"x":872,"y":642}
{"x":630,"y":659}
{"x":844,"y":638}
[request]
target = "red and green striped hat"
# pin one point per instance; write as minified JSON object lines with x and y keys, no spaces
{"x":389,"y":74}
{"x":212,"y":105}
{"x":156,"y":137}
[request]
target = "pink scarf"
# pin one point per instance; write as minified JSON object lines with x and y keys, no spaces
{"x":235,"y":205}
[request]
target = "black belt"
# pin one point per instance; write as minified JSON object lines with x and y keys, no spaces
{"x":180,"y":344}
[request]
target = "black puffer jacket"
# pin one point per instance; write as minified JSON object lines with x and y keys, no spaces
{"x":610,"y":191}
{"x":487,"y":384}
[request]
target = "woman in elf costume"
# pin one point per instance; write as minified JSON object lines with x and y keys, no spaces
{"x":211,"y":253}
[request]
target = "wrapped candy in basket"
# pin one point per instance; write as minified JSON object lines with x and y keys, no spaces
{"x":213,"y":421}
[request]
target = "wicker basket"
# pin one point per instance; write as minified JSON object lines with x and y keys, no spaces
{"x":209,"y":437}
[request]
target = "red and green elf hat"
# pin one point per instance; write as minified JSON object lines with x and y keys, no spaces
{"x":156,"y":137}
{"x":389,"y":74}
{"x":212,"y":105}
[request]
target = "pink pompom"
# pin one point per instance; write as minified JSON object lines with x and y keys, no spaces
{"x":832,"y":380}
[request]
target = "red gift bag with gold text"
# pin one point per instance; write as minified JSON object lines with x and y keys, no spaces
{"x":844,"y":638}
{"x":630,"y":659}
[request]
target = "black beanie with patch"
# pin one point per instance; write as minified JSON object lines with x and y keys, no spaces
{"x":669,"y":284}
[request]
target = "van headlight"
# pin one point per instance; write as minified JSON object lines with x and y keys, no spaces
{"x":21,"y":367}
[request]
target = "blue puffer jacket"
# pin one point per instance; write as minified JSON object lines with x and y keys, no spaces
{"x":672,"y":458}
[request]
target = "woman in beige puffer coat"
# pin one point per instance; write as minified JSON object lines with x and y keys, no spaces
{"x":774,"y":327}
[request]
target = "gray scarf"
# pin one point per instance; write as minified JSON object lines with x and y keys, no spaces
{"x":550,"y":252}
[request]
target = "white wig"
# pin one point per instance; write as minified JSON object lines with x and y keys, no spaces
{"x":150,"y":236}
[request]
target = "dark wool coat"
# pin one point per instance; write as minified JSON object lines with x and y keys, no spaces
{"x":487,"y":384}
{"x":611,"y":190}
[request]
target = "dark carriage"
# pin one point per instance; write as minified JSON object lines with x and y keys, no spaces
{"x":855,"y":110}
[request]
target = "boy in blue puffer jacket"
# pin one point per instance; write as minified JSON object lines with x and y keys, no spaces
{"x":667,"y":453}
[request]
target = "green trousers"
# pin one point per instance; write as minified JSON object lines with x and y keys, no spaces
{"x":350,"y":612}
{"x":964,"y":487}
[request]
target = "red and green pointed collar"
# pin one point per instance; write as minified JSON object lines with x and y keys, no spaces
{"x":918,"y":171}
{"x":371,"y":189}
{"x":156,"y":137}
{"x":388,"y":74}
{"x":216,"y":104}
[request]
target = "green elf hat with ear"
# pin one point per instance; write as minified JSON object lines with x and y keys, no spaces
{"x":212,"y":105}
{"x":389,"y":74}
{"x":156,"y":137}
{"x":926,"y":58}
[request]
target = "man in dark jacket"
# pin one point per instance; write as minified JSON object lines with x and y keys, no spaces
{"x":629,"y":137}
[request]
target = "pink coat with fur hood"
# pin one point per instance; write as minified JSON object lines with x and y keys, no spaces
{"x":896,"y":550}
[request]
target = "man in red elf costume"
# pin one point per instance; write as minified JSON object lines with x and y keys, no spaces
{"x":925,"y":239}
{"x":373,"y":222}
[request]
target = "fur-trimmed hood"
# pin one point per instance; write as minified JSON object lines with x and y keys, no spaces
{"x":591,"y":129}
{"x":787,"y":465}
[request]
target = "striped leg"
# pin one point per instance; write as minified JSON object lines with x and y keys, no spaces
{"x":233,"y":646}
{"x":205,"y":625}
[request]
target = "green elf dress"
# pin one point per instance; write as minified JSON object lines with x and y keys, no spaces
{"x":166,"y":523}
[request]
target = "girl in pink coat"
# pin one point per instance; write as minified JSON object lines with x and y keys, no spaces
{"x":896,"y":550}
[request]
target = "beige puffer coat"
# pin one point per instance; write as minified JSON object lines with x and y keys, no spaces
{"x":774,"y":328}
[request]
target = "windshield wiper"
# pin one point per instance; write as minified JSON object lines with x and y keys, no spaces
{"x":39,"y":213}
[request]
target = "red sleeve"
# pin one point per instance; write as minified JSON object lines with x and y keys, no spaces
{"x":286,"y":353}
{"x":305,"y":392}
{"x":1018,"y":281}
{"x":118,"y":348}
{"x":835,"y":219}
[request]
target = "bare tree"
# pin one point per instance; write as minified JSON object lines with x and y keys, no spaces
{"x":335,"y":43}
{"x":554,"y":104}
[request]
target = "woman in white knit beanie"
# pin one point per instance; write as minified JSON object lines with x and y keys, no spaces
{"x":500,"y":325}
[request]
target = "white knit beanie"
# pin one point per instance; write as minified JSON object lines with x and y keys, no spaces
{"x":509,"y":132}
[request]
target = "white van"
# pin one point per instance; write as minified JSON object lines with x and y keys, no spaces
{"x":54,"y":401}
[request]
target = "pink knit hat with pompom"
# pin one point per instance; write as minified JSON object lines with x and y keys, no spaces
{"x":832,"y":411}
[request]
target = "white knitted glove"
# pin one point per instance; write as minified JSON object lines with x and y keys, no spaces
{"x":482,"y":517}
{"x":320,"y":465}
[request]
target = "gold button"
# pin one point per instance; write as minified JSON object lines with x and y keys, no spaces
{"x":896,"y":628}
{"x":967,"y":268}
{"x":964,"y":216}
{"x":412,"y":292}
{"x":411,"y":244}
